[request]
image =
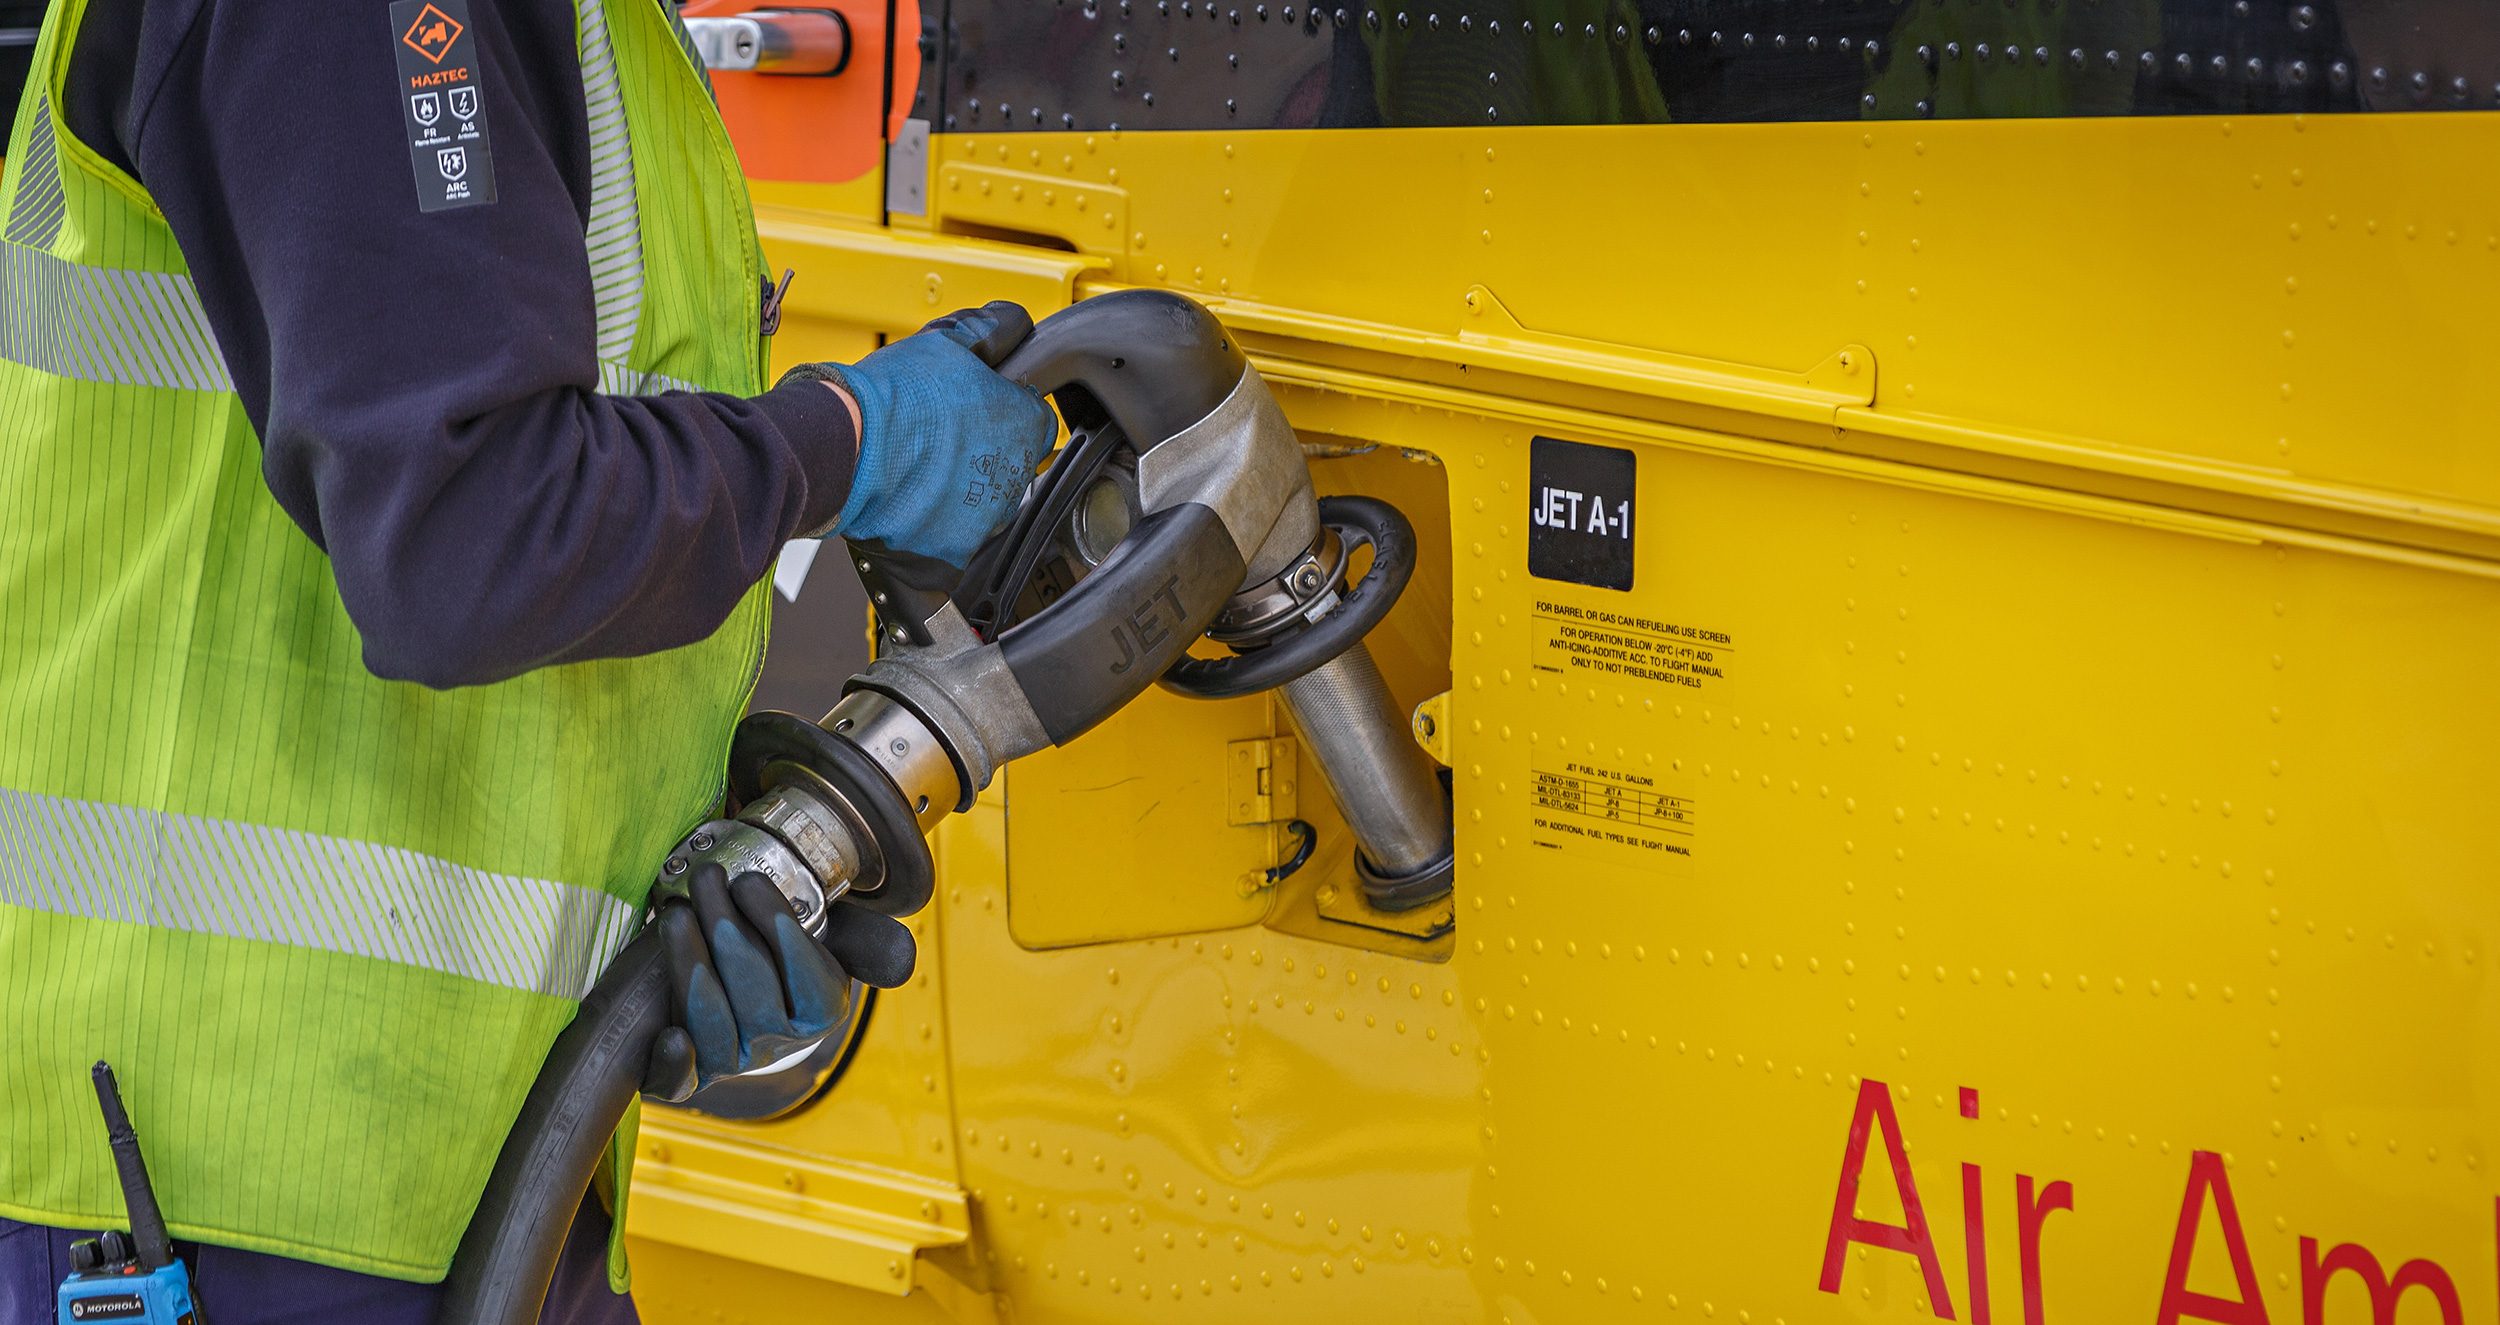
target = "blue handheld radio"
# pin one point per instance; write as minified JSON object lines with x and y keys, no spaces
{"x":126,"y":1276}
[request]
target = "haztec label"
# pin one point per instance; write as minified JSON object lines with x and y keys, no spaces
{"x":1582,"y":512}
{"x":442,"y":99}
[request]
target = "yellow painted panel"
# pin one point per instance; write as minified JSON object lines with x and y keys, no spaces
{"x":2267,"y":301}
{"x":1141,"y":799}
{"x":858,"y":281}
{"x":2093,"y":911}
{"x":2048,"y":735}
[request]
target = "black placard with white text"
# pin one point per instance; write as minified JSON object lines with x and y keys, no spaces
{"x":1582,"y":512}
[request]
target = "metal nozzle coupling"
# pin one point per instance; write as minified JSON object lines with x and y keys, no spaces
{"x":790,"y":835}
{"x":813,"y":827}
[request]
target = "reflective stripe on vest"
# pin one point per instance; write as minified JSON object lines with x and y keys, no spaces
{"x":36,"y":219}
{"x":614,"y":236}
{"x":103,"y":324}
{"x":277,"y":885}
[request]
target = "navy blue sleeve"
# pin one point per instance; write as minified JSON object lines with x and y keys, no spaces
{"x":424,"y":384}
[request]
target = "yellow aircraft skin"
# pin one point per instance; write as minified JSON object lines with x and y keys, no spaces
{"x":2021,"y":849}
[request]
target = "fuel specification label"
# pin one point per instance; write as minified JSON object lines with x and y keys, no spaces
{"x":1582,"y":805}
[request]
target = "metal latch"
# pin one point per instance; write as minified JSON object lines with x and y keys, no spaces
{"x":774,"y":41}
{"x":1432,"y":727}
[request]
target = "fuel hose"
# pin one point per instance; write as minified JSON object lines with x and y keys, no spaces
{"x":508,"y":1257}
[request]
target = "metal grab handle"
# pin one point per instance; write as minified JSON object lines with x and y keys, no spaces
{"x":813,"y":42}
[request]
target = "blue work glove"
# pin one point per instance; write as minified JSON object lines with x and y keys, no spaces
{"x":946,"y":445}
{"x":750,"y":990}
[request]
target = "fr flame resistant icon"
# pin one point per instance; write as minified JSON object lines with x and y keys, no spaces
{"x":427,"y":107}
{"x":453,"y":161}
{"x":463,"y":103}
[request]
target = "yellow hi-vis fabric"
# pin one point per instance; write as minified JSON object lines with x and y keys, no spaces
{"x":324,"y":925}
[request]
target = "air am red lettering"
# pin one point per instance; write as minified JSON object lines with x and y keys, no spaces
{"x":2029,"y":1214}
{"x":2355,"y":1259}
{"x":2178,"y":1301}
{"x":2208,"y":1210}
{"x":1874,"y":1110}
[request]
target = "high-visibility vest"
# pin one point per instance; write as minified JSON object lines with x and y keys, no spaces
{"x":324,"y":925}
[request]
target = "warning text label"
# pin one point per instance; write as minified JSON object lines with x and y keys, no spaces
{"x":1592,"y":642}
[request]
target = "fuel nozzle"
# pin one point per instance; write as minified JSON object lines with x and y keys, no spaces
{"x":1184,"y":497}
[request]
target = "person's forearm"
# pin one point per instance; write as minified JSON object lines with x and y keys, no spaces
{"x":571,"y":526}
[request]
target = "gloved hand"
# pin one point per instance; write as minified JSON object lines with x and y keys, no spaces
{"x":750,"y":989}
{"x":946,"y":444}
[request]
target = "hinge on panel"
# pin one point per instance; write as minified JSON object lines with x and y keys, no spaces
{"x":1259,"y":779}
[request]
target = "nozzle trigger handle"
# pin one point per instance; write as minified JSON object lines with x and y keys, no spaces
{"x":1009,"y":326}
{"x":1156,"y":362}
{"x":909,"y":590}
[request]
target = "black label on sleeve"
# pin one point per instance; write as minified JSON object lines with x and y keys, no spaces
{"x":1582,"y":512}
{"x":112,"y":1306}
{"x":442,"y":99}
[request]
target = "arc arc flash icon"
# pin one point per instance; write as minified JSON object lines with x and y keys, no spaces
{"x":453,"y":162}
{"x":427,"y":107}
{"x":464,"y":103}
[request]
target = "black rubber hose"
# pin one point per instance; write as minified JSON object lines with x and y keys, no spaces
{"x":1309,"y":837}
{"x":1362,"y":519}
{"x":508,"y":1256}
